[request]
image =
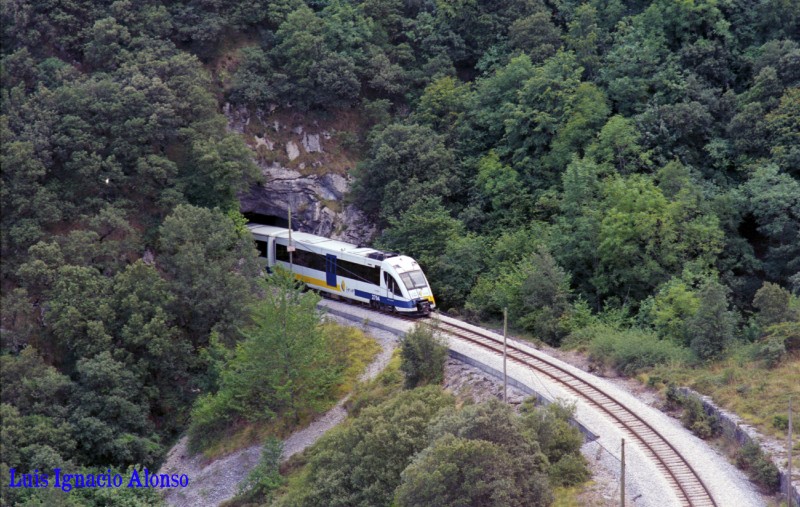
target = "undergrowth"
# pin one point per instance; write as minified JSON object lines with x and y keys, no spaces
{"x":351,"y":346}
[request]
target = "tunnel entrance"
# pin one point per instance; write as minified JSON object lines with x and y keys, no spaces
{"x":258,"y":218}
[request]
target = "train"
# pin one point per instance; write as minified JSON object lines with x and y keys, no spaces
{"x":385,"y":281}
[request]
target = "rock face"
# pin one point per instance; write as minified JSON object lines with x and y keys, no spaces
{"x":306,"y":195}
{"x":316,"y":200}
{"x":292,"y":151}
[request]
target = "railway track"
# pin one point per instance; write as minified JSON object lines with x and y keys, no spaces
{"x":689,"y":488}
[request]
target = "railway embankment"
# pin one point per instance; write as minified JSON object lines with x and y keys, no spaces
{"x":645,"y":479}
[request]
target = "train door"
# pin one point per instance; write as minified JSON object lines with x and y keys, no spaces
{"x":330,"y":270}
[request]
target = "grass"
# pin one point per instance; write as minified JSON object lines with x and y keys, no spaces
{"x":582,"y":495}
{"x":742,"y":385}
{"x":354,"y":346}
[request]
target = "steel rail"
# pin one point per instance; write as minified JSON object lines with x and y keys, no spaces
{"x":690,"y":488}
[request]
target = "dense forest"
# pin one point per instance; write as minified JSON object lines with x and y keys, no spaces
{"x":620,"y":174}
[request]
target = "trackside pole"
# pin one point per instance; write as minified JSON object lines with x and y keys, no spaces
{"x":505,"y":378}
{"x":290,"y":248}
{"x":789,"y":497}
{"x":622,"y":477}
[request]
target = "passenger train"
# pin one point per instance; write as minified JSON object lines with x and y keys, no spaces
{"x":385,"y":281}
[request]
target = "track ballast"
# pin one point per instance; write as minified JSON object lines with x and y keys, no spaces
{"x":689,"y":488}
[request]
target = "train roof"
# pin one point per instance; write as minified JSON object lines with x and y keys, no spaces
{"x":311,"y":240}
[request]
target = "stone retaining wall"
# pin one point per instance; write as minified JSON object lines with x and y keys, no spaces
{"x":733,"y":428}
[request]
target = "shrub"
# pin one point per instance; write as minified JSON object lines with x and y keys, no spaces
{"x":360,"y":463}
{"x":694,"y":416}
{"x":422,"y":357}
{"x":630,"y":350}
{"x":265,"y":478}
{"x":771,"y":351}
{"x":780,"y":422}
{"x":713,"y":325}
{"x":571,"y":469}
{"x":458,"y":471}
{"x":758,"y":466}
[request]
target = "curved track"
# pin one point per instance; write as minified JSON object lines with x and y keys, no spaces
{"x":689,"y":488}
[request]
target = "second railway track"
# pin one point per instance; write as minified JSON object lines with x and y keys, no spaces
{"x":689,"y":488}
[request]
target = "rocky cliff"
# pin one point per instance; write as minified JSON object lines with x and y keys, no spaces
{"x":294,"y":155}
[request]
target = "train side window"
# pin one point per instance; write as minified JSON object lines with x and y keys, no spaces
{"x":358,"y":272}
{"x":262,"y":248}
{"x":307,"y":259}
{"x":281,"y":253}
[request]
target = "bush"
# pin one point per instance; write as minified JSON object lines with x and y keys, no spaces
{"x":360,"y":463}
{"x":758,"y":466}
{"x":780,"y":422}
{"x":458,"y":471}
{"x":265,"y":478}
{"x":629,"y":350}
{"x":696,"y":419}
{"x":694,"y":416}
{"x":771,"y":352}
{"x":211,"y":416}
{"x":569,"y":470}
{"x":422,"y":357}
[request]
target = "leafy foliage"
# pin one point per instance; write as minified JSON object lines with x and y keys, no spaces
{"x":283,"y":365}
{"x":635,"y":158}
{"x":422,"y":356}
{"x":360,"y":464}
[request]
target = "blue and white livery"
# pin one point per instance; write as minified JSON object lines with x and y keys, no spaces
{"x":385,"y":281}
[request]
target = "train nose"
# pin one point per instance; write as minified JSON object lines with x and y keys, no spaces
{"x":424,"y":307}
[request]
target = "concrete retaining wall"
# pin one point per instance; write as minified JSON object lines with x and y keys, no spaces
{"x":734,"y":429}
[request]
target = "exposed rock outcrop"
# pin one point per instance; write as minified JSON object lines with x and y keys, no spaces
{"x":312,"y":199}
{"x":292,"y":151}
{"x":316,"y":200}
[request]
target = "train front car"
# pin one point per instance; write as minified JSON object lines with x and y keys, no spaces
{"x":403,"y":278}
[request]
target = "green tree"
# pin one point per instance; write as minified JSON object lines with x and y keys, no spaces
{"x":585,"y":37}
{"x":109,"y":415}
{"x":28,"y":205}
{"x":265,"y":478}
{"x":283,"y":365}
{"x":774,"y":199}
{"x":775,"y":305}
{"x":361,"y":463}
{"x":457,"y":471}
{"x":543,"y":299}
{"x":535,"y":35}
{"x":783,"y":126}
{"x":404,"y":162}
{"x":211,"y":268}
{"x":713,"y":325}
{"x":219,"y":167}
{"x":421,"y":231}
{"x":507,"y":199}
{"x":457,"y":269}
{"x":618,"y":145}
{"x":422,"y":354}
{"x":675,"y":303}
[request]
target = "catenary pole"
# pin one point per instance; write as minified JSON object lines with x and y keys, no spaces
{"x":790,"y":499}
{"x":290,"y":248}
{"x":505,"y":332}
{"x":622,"y":478}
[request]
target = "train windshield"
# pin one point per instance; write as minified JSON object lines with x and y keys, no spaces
{"x":414,"y":279}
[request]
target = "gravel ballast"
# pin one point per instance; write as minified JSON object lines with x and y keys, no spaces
{"x":644,"y":481}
